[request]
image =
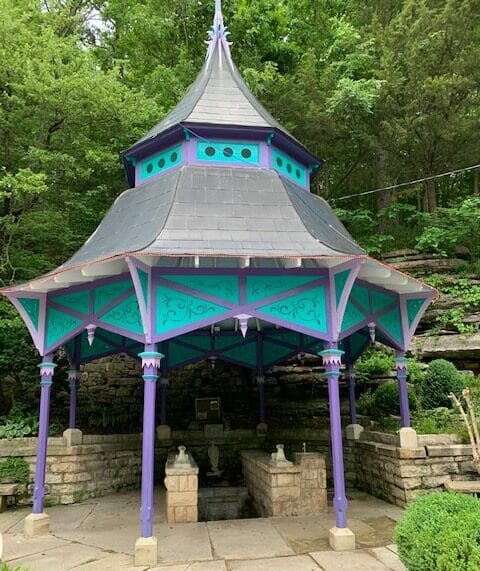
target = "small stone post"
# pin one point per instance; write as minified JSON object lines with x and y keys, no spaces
{"x":401,"y":366}
{"x":341,"y":538}
{"x":146,"y":545}
{"x":38,"y":522}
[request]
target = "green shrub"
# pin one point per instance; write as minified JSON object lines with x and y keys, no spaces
{"x":440,"y":420}
{"x":440,"y":532}
{"x":374,"y":362}
{"x":386,"y":400}
{"x":366,"y":404}
{"x":19,"y":423}
{"x":441,"y":379}
{"x":15,"y":469}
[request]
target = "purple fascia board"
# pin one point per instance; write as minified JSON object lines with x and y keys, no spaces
{"x":321,"y":273}
{"x":89,"y":285}
{"x":322,"y":335}
{"x":165,"y":336}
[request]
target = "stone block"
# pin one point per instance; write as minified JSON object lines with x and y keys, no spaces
{"x":213,"y":430}
{"x":284,"y":480}
{"x":353,"y":431}
{"x":146,"y":552}
{"x":435,"y":481}
{"x":341,"y":539}
{"x":449,"y":450}
{"x":73,"y":437}
{"x":164,"y":432}
{"x":407,"y":438}
{"x":409,"y":470}
{"x":181,"y":498}
{"x":36,"y":524}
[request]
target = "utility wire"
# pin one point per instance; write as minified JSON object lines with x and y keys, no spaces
{"x":409,"y":183}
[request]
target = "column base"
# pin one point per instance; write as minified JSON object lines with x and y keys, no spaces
{"x":164,"y":432}
{"x":146,"y":552}
{"x":73,"y":436}
{"x":407,"y":438}
{"x":353,"y":431}
{"x":262,"y":429}
{"x":36,"y":524}
{"x":342,"y":539}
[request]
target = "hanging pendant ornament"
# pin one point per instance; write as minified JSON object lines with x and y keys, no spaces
{"x":243,"y":322}
{"x":372,"y":332}
{"x":301,"y":358}
{"x":91,"y":334}
{"x":213,"y":362}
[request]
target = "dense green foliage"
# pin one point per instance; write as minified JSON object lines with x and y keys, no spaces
{"x":6,"y":567}
{"x":441,"y":379}
{"x":14,"y":469}
{"x":384,"y":401}
{"x":440,"y":532}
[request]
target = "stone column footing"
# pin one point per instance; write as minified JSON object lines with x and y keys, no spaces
{"x":353,"y":431}
{"x":407,"y":438}
{"x":146,"y":552}
{"x":73,"y":437}
{"x":164,"y":432}
{"x":262,"y":429}
{"x":342,"y":539}
{"x":36,"y":524}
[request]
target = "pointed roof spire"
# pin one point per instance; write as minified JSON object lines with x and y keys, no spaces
{"x":218,"y":32}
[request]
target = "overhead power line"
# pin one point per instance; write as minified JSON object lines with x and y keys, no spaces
{"x":409,"y":183}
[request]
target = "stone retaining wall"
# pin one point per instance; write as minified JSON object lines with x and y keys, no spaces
{"x":398,"y":475}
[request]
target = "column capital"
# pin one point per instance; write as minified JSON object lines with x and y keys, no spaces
{"x":401,"y":364}
{"x":46,"y":368}
{"x":151,"y":359}
{"x":350,"y":374}
{"x":73,"y":376}
{"x":260,"y":380}
{"x":164,"y":382}
{"x":331,"y":356}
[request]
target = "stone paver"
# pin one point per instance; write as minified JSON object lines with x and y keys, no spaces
{"x":388,"y":558}
{"x":113,"y":538}
{"x":295,"y":563}
{"x":115,"y":562}
{"x":183,"y":542}
{"x":348,"y":561}
{"x":303,"y":534}
{"x":63,"y":558}
{"x":199,"y":566}
{"x":17,"y":546}
{"x":246,"y":538}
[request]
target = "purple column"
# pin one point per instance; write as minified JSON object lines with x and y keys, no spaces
{"x":350,"y":376}
{"x":401,"y":365}
{"x":261,"y":397}
{"x":332,"y":360}
{"x":46,"y":376}
{"x":73,"y":379}
{"x":163,"y":400}
{"x":150,"y":364}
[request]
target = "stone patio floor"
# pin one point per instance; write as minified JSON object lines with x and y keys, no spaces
{"x":100,"y":534}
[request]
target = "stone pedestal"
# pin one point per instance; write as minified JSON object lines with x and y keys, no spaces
{"x":181,"y":481}
{"x":73,"y":437}
{"x":36,"y":524}
{"x":342,"y":539}
{"x":146,"y":552}
{"x":164,"y":432}
{"x":262,"y":429}
{"x":353,"y":431}
{"x":407,"y":438}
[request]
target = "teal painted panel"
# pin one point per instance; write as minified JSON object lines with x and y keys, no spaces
{"x":161,"y":162}
{"x":413,"y":307}
{"x":202,"y":342}
{"x":32,"y":307}
{"x":340,"y":281}
{"x":288,"y":167}
{"x":59,"y":324}
{"x":125,"y":315}
{"x":391,"y":322}
{"x":143,"y":277}
{"x":291,"y":337}
{"x":307,"y":309}
{"x":176,"y":309}
{"x":78,"y":301}
{"x":224,"y":342}
{"x":260,"y":287}
{"x":246,"y":354}
{"x":357,"y":344}
{"x":99,"y":345}
{"x":361,"y":295}
{"x":353,"y":316}
{"x":224,"y":287}
{"x":224,"y":152}
{"x":316,"y":345}
{"x":103,"y":295}
{"x":178,"y":354}
{"x":273,"y":353}
{"x":380,"y":300}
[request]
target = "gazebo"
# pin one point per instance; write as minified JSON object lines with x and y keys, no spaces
{"x":218,"y":250}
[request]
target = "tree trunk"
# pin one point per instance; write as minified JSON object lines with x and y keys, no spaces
{"x":430,"y":196}
{"x":384,"y":198}
{"x":476,"y":177}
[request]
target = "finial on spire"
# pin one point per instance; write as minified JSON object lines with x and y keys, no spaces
{"x":218,"y":32}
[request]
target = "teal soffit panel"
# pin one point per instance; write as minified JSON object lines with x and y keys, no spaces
{"x":225,"y":152}
{"x":380,"y":300}
{"x":103,"y":295}
{"x":307,"y":309}
{"x":201,"y":342}
{"x":361,"y":295}
{"x":413,"y":307}
{"x":99,"y":346}
{"x":352,"y":316}
{"x":260,"y":287}
{"x":125,"y":315}
{"x":78,"y":301}
{"x":178,"y":354}
{"x":176,"y":309}
{"x":291,"y":337}
{"x":225,"y":341}
{"x":246,"y":353}
{"x":286,"y":166}
{"x":32,"y":308}
{"x":160,"y":162}
{"x":340,"y":281}
{"x":273,"y":353}
{"x":223,"y":287}
{"x":59,"y":324}
{"x":391,"y":322}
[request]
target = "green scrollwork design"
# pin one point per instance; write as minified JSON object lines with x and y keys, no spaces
{"x":125,"y":315}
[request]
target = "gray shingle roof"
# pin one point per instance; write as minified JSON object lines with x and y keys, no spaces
{"x":211,"y":210}
{"x":218,"y":96}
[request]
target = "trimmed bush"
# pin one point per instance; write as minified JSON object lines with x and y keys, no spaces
{"x":386,"y":400}
{"x":441,"y":379}
{"x":440,"y":532}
